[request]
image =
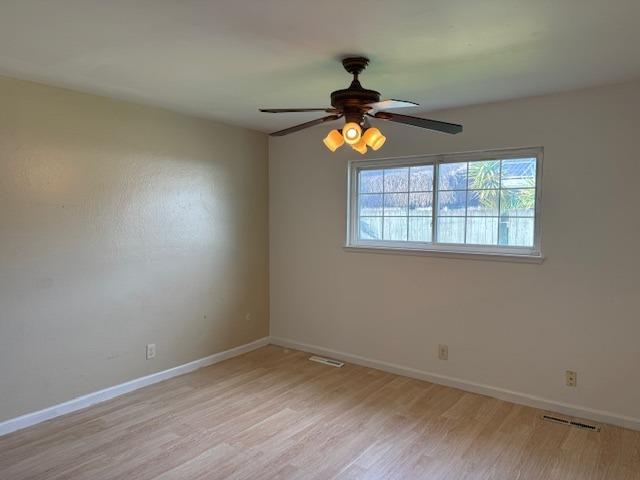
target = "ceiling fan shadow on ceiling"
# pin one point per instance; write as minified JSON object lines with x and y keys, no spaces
{"x":357,"y":104}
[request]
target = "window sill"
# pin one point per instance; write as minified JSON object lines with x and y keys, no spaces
{"x":486,"y":256}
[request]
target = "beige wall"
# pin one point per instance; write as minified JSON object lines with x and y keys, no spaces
{"x":509,"y":325}
{"x":122,"y":225}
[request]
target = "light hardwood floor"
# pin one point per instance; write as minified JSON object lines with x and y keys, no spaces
{"x":272,"y":414}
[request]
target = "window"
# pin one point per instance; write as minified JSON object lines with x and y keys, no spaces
{"x":481,"y":202}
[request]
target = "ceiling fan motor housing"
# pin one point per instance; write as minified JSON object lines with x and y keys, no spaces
{"x":352,"y":101}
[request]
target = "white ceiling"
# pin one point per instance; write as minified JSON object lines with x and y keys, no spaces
{"x":223,"y":59}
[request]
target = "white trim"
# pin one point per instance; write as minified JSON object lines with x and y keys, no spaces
{"x":78,"y":403}
{"x":84,"y":401}
{"x":491,"y":391}
{"x":500,"y":257}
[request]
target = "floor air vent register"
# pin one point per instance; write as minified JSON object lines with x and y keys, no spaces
{"x":571,"y":423}
{"x":326,"y":361}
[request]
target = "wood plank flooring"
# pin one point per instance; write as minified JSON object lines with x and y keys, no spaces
{"x":272,"y":414}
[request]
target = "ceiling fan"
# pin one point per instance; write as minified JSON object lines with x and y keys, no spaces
{"x":356,"y":104}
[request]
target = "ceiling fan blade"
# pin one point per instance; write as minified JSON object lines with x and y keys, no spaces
{"x":302,"y":126}
{"x":420,"y":122}
{"x":286,"y":110}
{"x":384,"y":104}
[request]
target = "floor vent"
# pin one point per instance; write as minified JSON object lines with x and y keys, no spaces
{"x":571,"y":423}
{"x":326,"y":361}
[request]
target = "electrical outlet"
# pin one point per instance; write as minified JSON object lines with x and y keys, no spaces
{"x":572,"y":378}
{"x":443,"y":352}
{"x":151,"y":351}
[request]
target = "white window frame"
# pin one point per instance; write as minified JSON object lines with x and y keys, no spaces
{"x":526,"y":254}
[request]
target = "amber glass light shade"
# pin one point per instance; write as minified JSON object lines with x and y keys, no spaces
{"x":333,"y":140}
{"x":351,"y":133}
{"x":374,"y":138}
{"x":360,"y":147}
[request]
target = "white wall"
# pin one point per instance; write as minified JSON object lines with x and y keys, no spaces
{"x":508,"y":325}
{"x":122,"y":225}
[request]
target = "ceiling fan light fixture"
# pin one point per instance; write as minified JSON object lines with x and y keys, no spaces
{"x":333,"y":140}
{"x":374,"y":138}
{"x":352,"y":132}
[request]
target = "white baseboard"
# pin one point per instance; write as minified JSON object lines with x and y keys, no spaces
{"x":84,"y":401}
{"x":495,"y":392}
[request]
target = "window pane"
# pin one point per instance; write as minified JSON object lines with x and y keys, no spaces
{"x":395,"y":204}
{"x":421,"y":178}
{"x":420,"y":229}
{"x":487,"y":204}
{"x":370,"y":205}
{"x":482,"y":203}
{"x":485,"y":174}
{"x":519,"y":173}
{"x":396,"y":179}
{"x":453,"y":176}
{"x":395,"y":228}
{"x":370,"y":228}
{"x":420,"y":204}
{"x":451,"y":229}
{"x":518,"y":202}
{"x":452,"y":203}
{"x":482,"y":230}
{"x":370,"y":181}
{"x":516,"y":232}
